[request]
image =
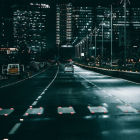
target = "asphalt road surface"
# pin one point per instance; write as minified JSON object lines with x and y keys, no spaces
{"x":84,"y":105}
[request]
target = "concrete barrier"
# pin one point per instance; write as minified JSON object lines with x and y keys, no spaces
{"x":133,"y":76}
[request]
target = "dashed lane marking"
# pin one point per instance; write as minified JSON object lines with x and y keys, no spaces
{"x":98,"y":109}
{"x":6,"y":112}
{"x":38,"y":111}
{"x":128,"y":109}
{"x":100,"y":88}
{"x":119,"y":100}
{"x":13,"y":130}
{"x":62,"y":110}
{"x":34,"y":103}
{"x":24,"y":78}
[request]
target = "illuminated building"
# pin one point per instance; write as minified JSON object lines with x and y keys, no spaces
{"x":72,"y":23}
{"x":84,"y":19}
{"x":64,"y":24}
{"x":29,"y":24}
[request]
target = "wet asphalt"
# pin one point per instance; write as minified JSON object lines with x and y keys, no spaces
{"x":84,"y":105}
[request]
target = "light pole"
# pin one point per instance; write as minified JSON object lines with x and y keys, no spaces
{"x":125,"y":33}
{"x":84,"y":47}
{"x":90,"y":43}
{"x":102,"y":37}
{"x":87,"y":47}
{"x":95,"y":43}
{"x":111,"y":35}
{"x":80,"y":49}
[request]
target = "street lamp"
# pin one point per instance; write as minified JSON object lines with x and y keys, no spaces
{"x":90,"y":43}
{"x":95,"y":30}
{"x":95,"y":44}
{"x":125,"y":33}
{"x":102,"y":35}
{"x":87,"y":46}
{"x":111,"y":35}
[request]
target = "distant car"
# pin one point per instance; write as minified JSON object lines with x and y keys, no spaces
{"x":69,"y":68}
{"x":90,"y":63}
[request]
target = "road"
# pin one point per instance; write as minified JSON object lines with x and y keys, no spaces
{"x":53,"y":105}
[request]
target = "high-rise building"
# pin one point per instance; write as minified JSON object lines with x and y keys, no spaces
{"x":72,"y":23}
{"x":64,"y":24}
{"x":2,"y":31}
{"x":83,"y":19}
{"x":29,"y":24}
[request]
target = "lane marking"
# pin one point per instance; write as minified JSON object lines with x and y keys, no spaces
{"x":39,"y":97}
{"x":34,"y":103}
{"x":13,"y":130}
{"x":102,"y":90}
{"x":34,"y":111}
{"x":62,"y":110}
{"x":89,"y":81}
{"x":119,"y":100}
{"x":25,"y":78}
{"x":109,"y":94}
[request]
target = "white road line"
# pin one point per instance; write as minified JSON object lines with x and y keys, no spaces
{"x":39,"y":97}
{"x":89,"y":82}
{"x":34,"y":103}
{"x":13,"y":130}
{"x":119,"y":100}
{"x":109,"y":94}
{"x":24,"y":79}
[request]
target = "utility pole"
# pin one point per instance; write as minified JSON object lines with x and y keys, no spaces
{"x":124,"y":32}
{"x":90,"y":44}
{"x":87,"y":47}
{"x":95,"y":42}
{"x":78,"y":51}
{"x":111,"y":35}
{"x":102,"y":38}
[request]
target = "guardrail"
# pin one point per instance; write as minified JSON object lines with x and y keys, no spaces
{"x":129,"y":75}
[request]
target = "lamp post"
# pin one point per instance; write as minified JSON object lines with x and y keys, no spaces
{"x":125,"y":33}
{"x":102,"y":37}
{"x":84,"y":47}
{"x":95,"y":43}
{"x":80,"y":49}
{"x":87,"y":46}
{"x":111,"y":35}
{"x":90,"y":43}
